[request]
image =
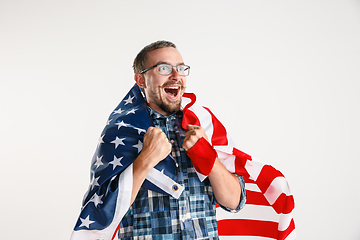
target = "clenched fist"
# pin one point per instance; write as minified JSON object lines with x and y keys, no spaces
{"x":156,"y":146}
{"x":193,"y":134}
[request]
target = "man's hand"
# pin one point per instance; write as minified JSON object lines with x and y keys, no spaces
{"x":199,"y":150}
{"x":193,"y":134}
{"x":226,"y":186}
{"x":156,"y":147}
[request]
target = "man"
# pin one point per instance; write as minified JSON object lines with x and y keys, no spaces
{"x":187,"y":211}
{"x":164,"y":89}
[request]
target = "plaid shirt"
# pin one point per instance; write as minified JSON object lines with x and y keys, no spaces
{"x":157,"y":216}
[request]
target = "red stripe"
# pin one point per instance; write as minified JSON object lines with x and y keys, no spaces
{"x":284,"y":234}
{"x":190,"y":118}
{"x":266,"y":176}
{"x":240,"y":162}
{"x":115,"y":233}
{"x":246,"y":227}
{"x":256,"y":198}
{"x":192,"y":97}
{"x":284,"y":204}
{"x":219,"y":137}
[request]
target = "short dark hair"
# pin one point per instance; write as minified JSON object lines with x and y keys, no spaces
{"x":141,"y":58}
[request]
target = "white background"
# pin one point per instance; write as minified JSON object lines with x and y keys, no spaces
{"x":283,"y":76}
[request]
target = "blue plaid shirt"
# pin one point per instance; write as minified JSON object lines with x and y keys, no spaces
{"x":157,"y":216}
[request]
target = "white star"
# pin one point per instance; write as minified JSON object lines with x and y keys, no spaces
{"x":118,"y":141}
{"x":121,"y":124}
{"x":94,"y":182}
{"x":98,"y":161}
{"x":129,"y":100}
{"x":119,"y":111}
{"x":116,"y":162}
{"x":108,"y":122}
{"x":100,"y":141}
{"x":139,"y":146}
{"x":86,"y":222}
{"x":131,"y":111}
{"x":96,"y":199}
{"x":139,"y":130}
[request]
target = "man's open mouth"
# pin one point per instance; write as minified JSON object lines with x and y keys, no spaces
{"x":172,"y":91}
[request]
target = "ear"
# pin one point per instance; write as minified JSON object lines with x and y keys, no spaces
{"x":140,"y":80}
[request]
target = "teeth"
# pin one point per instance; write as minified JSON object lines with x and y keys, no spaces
{"x":173,"y":87}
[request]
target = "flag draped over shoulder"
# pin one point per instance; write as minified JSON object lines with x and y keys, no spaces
{"x":268,"y":210}
{"x":108,"y":196}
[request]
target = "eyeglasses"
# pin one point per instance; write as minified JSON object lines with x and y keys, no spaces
{"x":166,"y":69}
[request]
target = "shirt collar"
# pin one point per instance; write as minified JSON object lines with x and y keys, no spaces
{"x":155,"y":115}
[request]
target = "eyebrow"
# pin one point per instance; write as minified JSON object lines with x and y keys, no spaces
{"x":162,"y":62}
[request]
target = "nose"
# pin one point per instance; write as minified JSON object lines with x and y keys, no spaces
{"x":174,"y":74}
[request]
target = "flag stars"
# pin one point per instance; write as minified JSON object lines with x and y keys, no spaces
{"x":131,"y":111}
{"x":116,"y":162}
{"x":86,"y":222}
{"x":129,"y":100}
{"x":118,"y":141}
{"x":94,"y":182}
{"x":140,"y":130}
{"x":139,"y":146}
{"x":98,"y":161}
{"x":121,"y":124}
{"x":96,"y":199}
{"x":118,"y":111}
{"x":100,"y":141}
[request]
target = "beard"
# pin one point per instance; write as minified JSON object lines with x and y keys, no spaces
{"x":166,"y":105}
{"x":170,"y":109}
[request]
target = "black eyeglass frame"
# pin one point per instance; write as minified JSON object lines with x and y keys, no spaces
{"x":147,"y":69}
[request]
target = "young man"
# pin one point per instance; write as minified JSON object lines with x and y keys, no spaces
{"x":161,"y":73}
{"x":153,"y":176}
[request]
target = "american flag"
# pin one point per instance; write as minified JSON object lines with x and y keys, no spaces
{"x":268,"y":211}
{"x":108,"y":196}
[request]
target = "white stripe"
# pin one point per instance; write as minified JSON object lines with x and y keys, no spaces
{"x":284,"y":222}
{"x":252,"y":187}
{"x":225,"y":148}
{"x":252,"y":212}
{"x":278,"y":186}
{"x":227,"y":160}
{"x":200,"y":176}
{"x":205,"y":120}
{"x":254,"y":168}
{"x":165,"y":183}
{"x":245,"y":238}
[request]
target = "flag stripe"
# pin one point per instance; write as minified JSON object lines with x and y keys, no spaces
{"x":256,"y":198}
{"x":244,"y":238}
{"x":219,"y":137}
{"x":269,"y":206}
{"x":289,"y":233}
{"x":241,"y":227}
{"x":251,"y":212}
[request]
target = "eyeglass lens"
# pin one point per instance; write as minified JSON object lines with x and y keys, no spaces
{"x":166,"y":69}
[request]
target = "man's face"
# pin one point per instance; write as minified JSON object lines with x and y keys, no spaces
{"x":164,"y":92}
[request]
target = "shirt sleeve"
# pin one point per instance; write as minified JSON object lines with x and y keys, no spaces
{"x":242,"y":197}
